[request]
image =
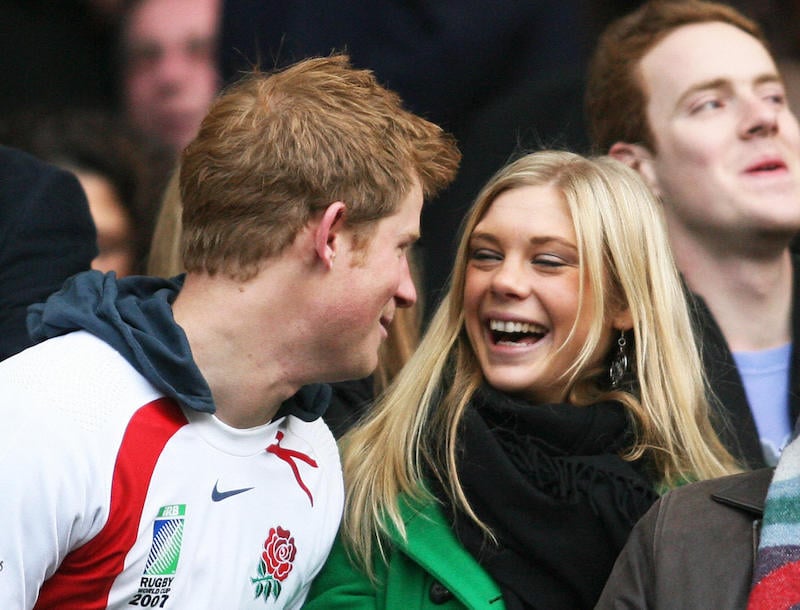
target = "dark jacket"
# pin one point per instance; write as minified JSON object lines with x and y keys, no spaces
{"x":695,"y":548}
{"x":736,"y":426}
{"x":46,"y":235}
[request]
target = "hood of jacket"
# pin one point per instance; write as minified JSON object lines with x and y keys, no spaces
{"x":134,"y":316}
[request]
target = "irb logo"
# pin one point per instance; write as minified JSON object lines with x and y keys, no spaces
{"x":167,"y":538}
{"x":173,"y":510}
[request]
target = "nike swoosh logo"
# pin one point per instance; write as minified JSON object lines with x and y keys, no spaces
{"x":217,"y":495}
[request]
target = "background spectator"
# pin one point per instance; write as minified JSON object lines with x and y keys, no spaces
{"x":46,"y":235}
{"x":120,"y":171}
{"x":688,"y":94}
{"x":169,"y":68}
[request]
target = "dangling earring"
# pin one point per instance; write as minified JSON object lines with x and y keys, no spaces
{"x":619,"y":364}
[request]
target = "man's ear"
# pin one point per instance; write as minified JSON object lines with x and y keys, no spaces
{"x":639,"y":158}
{"x":326,"y":234}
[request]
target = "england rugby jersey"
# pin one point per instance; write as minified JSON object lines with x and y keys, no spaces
{"x":113,"y":496}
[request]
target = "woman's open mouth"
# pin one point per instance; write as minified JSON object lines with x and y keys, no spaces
{"x":506,"y":332}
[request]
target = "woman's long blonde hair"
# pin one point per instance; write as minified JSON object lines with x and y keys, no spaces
{"x":624,"y":257}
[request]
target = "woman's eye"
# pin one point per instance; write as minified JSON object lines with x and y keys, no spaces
{"x":485,"y":255}
{"x":549,"y":261}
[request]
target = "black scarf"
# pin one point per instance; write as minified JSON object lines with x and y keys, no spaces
{"x":548,"y":482}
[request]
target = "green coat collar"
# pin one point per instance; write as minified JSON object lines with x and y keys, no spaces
{"x":432,"y":544}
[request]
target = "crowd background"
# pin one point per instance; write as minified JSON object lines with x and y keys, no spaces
{"x":112,"y":90}
{"x":501,"y":76}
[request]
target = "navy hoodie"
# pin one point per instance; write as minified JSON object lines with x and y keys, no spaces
{"x":134,"y":316}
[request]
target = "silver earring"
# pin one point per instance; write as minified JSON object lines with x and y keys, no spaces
{"x":619,"y":364}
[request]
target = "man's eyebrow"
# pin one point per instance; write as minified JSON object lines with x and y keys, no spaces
{"x":706,"y":85}
{"x":725,"y":83}
{"x":765,"y":79}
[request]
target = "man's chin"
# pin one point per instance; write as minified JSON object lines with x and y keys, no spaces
{"x":355,"y":372}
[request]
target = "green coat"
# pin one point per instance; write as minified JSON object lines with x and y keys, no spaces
{"x":427,"y":566}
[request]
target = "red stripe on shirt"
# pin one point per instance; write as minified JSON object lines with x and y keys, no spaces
{"x":85,"y":577}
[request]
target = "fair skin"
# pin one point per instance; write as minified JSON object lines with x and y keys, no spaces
{"x":523,"y":276}
{"x":727,"y":167}
{"x":114,"y":230}
{"x":170,"y":75}
{"x":319,"y":311}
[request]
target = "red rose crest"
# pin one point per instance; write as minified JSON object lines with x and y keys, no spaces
{"x":275,"y":564}
{"x":279,"y":552}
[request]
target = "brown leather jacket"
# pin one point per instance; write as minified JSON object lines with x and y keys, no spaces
{"x":693,"y":549}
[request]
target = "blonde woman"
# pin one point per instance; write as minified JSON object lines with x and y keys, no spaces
{"x":557,"y":390}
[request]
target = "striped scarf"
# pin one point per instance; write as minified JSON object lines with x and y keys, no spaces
{"x":776,"y":576}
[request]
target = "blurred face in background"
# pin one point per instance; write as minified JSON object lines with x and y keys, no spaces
{"x":170,"y":73}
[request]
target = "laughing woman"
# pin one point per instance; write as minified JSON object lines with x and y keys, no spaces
{"x":557,"y":390}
